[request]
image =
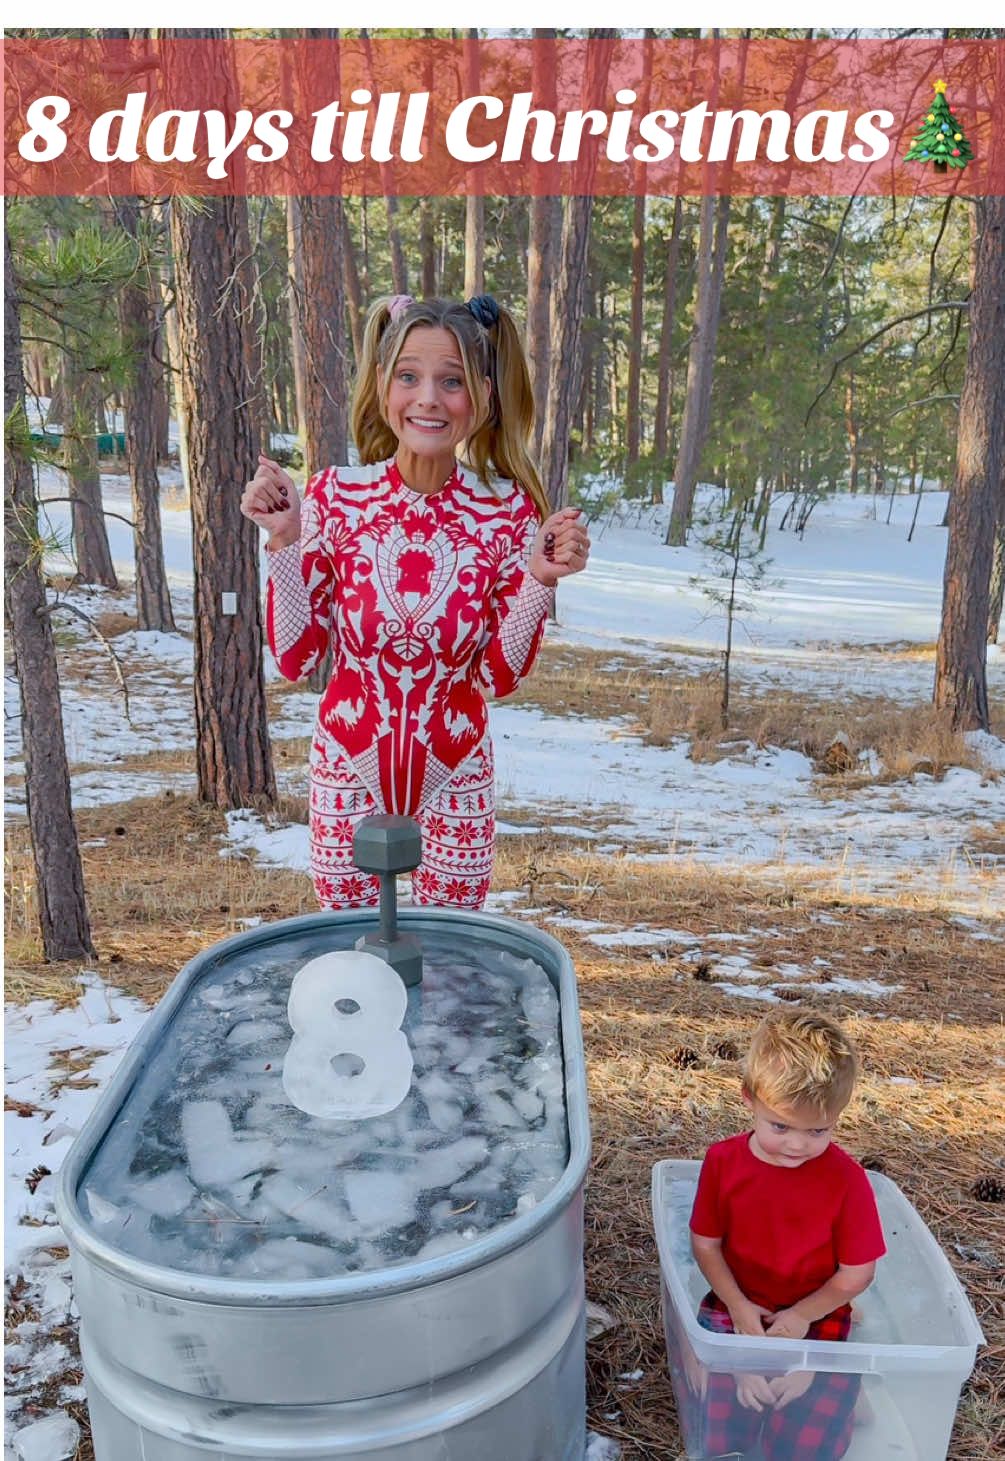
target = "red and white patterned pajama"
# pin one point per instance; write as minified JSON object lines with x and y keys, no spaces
{"x":427,"y":604}
{"x":817,"y":1426}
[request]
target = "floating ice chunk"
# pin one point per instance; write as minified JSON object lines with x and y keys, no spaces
{"x":166,"y":1195}
{"x":526,"y":1203}
{"x":379,"y":1200}
{"x":103,"y":1211}
{"x":250,"y":1031}
{"x":500,"y":1112}
{"x":216,"y":1156}
{"x":442,"y":1166}
{"x":56,"y":1438}
{"x":289,"y":1258}
{"x":445,"y":1243}
{"x":312,"y":1206}
{"x":530,"y":1106}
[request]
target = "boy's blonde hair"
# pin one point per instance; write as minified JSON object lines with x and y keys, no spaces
{"x":800,"y":1058}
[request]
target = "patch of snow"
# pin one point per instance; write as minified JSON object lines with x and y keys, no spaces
{"x":601,"y":1448}
{"x":990,"y":748}
{"x":55,"y":1438}
{"x":749,"y":991}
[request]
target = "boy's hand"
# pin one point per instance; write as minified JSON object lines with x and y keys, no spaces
{"x":790,"y":1387}
{"x":788,"y":1324}
{"x":748,"y":1318}
{"x":754,"y":1392}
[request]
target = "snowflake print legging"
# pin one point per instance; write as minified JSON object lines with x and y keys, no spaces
{"x":458,"y":832}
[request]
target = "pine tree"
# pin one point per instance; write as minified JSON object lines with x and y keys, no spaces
{"x":941,"y":140}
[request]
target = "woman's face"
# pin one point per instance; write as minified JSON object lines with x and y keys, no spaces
{"x":428,"y":405}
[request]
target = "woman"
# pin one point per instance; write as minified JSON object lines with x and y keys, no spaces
{"x":429,"y":577}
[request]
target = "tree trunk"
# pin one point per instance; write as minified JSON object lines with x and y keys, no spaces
{"x":851,"y":430}
{"x":136,"y":321}
{"x":543,"y":235}
{"x":159,"y":370}
{"x":248,"y":298}
{"x":960,"y":665}
{"x":570,"y":284}
{"x":701,"y":360}
{"x":353,"y":292}
{"x":633,"y":405}
{"x":664,"y":385}
{"x":80,"y":455}
{"x":474,"y":203}
{"x":170,"y":314}
{"x":540,"y":252}
{"x":295,"y":293}
{"x":59,"y":878}
{"x":427,"y":248}
{"x":233,"y":755}
{"x":996,"y":592}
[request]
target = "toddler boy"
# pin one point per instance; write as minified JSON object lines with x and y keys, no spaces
{"x":786,"y":1232}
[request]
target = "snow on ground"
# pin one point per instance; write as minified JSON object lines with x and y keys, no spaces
{"x":47,"y":1102}
{"x":851,"y":579}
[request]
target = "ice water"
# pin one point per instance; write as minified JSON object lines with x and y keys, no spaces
{"x":209,"y":1168}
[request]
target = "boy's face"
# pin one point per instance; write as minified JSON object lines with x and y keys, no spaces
{"x":789,"y":1135}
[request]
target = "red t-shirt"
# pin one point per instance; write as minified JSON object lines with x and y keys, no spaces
{"x":784,"y":1230}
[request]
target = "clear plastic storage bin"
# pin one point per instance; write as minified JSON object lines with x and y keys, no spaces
{"x":914,"y":1339}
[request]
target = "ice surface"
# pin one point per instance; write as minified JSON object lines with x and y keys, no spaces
{"x":209,"y":1168}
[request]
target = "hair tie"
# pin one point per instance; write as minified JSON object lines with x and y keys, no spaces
{"x":397,"y":305}
{"x":484,"y":309}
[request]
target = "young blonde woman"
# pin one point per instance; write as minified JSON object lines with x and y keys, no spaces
{"x":428,"y":569}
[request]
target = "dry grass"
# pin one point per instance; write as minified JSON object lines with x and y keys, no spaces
{"x":666,"y":703}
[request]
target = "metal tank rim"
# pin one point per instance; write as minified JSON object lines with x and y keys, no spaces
{"x":514,"y":937}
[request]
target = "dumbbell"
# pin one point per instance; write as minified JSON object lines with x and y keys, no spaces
{"x":388,"y":846}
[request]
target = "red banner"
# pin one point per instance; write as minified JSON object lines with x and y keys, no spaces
{"x":439,"y":117}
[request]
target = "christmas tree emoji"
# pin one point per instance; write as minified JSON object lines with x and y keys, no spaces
{"x":941,"y":140}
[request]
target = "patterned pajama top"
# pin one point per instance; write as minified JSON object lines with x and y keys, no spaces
{"x":427,"y":604}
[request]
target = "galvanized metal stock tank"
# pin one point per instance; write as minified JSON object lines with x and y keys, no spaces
{"x":475,"y":1355}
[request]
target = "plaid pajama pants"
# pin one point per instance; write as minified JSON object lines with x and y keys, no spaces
{"x":815,"y":1427}
{"x":458,"y":832}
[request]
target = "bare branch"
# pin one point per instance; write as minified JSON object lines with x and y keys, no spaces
{"x":79,"y":502}
{"x":926,"y":401}
{"x":957,"y":304}
{"x":59,"y":604}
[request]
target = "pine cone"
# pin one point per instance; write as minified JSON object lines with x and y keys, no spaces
{"x":726,"y":1050}
{"x":872,"y":1163}
{"x":988,"y":1189}
{"x":683,"y":1058}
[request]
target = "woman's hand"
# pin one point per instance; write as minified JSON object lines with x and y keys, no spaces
{"x":561,"y":547}
{"x":270,"y":500}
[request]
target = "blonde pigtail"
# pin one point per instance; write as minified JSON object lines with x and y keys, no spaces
{"x":375,"y":441}
{"x":504,"y":438}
